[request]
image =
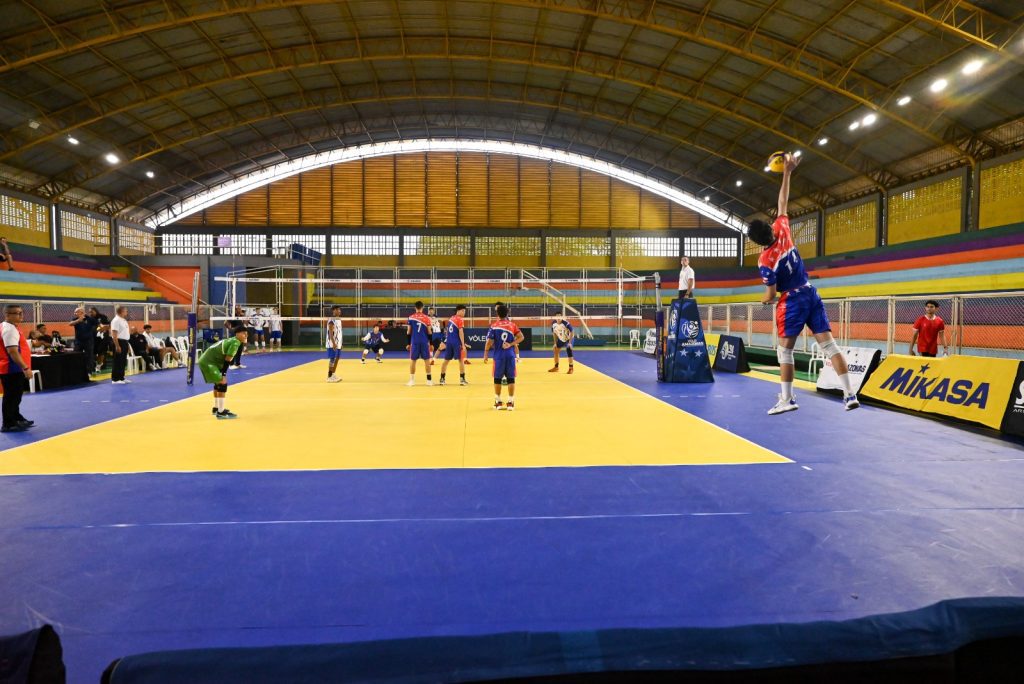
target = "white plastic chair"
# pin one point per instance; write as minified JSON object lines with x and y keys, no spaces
{"x":817,"y":357}
{"x":32,"y":382}
{"x":183,"y":345}
{"x":634,"y":338}
{"x":136,"y":364}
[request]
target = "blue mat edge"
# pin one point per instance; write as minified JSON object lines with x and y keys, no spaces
{"x":939,"y":628}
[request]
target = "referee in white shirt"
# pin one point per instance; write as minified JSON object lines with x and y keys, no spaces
{"x":686,"y":278}
{"x":119,"y":334}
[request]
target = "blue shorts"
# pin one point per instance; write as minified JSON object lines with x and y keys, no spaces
{"x":376,"y":348}
{"x":252,"y":332}
{"x":436,"y":339}
{"x":419,"y":350}
{"x":798,"y":308}
{"x":562,"y":345}
{"x":452,"y":351}
{"x":275,"y":335}
{"x":333,"y":354}
{"x":505,"y":368}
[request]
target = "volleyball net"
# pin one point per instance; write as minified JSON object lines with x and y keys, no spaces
{"x":603,"y":305}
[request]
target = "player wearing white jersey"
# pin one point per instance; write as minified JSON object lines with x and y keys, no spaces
{"x":276,"y":329}
{"x":334,"y":343}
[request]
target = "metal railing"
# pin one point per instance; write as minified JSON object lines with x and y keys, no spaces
{"x":976,"y":324}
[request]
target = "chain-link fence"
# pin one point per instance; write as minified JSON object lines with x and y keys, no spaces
{"x":975,"y":324}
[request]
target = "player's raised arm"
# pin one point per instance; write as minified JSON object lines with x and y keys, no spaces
{"x":790,"y":164}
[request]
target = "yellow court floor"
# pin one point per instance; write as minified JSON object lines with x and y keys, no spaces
{"x":294,"y":420}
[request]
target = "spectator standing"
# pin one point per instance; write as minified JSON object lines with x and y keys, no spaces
{"x":119,"y":335}
{"x":85,"y":336}
{"x":103,"y":346}
{"x":15,"y":369}
{"x":686,"y":278}
{"x":926,"y":332}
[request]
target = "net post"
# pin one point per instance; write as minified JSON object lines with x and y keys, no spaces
{"x":193,"y":325}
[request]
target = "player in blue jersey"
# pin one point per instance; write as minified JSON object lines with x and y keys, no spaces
{"x":782,"y":271}
{"x":418,"y":330}
{"x":503,"y":337}
{"x":561,"y":330}
{"x":455,"y":344}
{"x":374,"y":341}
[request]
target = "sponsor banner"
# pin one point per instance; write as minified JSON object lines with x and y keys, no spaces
{"x":861,"y":362}
{"x":971,"y":388}
{"x":651,"y":341}
{"x":711,"y":342}
{"x":1013,"y":417}
{"x":732,"y":355}
{"x":475,"y":338}
{"x":686,"y":354}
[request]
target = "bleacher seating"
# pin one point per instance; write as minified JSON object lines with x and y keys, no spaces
{"x":49,"y":274}
{"x":985,"y":261}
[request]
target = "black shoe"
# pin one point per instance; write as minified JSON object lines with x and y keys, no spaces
{"x":226,"y":414}
{"x":26,"y":423}
{"x":214,"y":410}
{"x":13,"y":428}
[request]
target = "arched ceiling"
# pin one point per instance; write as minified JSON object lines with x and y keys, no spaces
{"x":696,"y":93}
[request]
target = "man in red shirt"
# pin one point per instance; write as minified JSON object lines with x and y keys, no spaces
{"x":15,"y":369}
{"x":926,"y":331}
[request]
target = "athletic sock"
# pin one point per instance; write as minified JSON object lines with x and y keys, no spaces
{"x":847,"y":387}
{"x":787,"y":391}
{"x":462,"y":375}
{"x":412,"y":378}
{"x":219,"y":403}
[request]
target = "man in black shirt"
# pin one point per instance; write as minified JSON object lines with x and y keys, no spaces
{"x":85,"y":336}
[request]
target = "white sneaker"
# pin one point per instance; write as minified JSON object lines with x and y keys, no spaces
{"x":430,"y":383}
{"x":851,"y":402}
{"x":117,"y":382}
{"x":783,"y":406}
{"x":334,"y":378}
{"x":411,"y":383}
{"x":241,"y":365}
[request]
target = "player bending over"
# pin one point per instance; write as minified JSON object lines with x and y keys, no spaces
{"x":418,"y":330}
{"x":333,"y":343}
{"x":503,"y":337}
{"x":455,"y":344}
{"x":374,"y":341}
{"x":561,"y":330}
{"x":799,"y":304}
{"x":213,"y":364}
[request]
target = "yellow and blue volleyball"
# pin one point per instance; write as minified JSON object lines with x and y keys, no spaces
{"x":777,"y":162}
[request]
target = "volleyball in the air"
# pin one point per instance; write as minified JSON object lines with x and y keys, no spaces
{"x":777,"y":162}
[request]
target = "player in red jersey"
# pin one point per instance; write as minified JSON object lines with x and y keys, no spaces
{"x":782,"y":271}
{"x":926,"y":331}
{"x":503,"y":337}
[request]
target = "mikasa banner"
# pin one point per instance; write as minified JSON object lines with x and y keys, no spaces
{"x":860,"y":361}
{"x":970,"y":388}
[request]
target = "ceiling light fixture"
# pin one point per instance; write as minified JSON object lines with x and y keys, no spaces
{"x":855,"y":125}
{"x":739,"y":183}
{"x":150,"y":174}
{"x":972,"y":67}
{"x":73,"y":140}
{"x":822,"y":141}
{"x":111,"y":158}
{"x":903,"y":101}
{"x":869,"y":119}
{"x":707,"y":198}
{"x":33,"y":125}
{"x":939,"y":85}
{"x":798,"y":153}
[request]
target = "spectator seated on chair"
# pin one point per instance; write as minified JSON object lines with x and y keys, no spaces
{"x":39,"y":341}
{"x":141,"y":348}
{"x":156,"y":346}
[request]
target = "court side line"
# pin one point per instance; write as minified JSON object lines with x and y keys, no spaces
{"x":129,"y":415}
{"x":703,"y":420}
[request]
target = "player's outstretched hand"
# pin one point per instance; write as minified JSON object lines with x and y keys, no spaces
{"x":791,"y":162}
{"x":406,"y":347}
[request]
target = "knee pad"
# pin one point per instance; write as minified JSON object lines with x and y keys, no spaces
{"x":220,"y":387}
{"x":785,"y":355}
{"x":830,"y":349}
{"x":568,"y":351}
{"x":510,"y":381}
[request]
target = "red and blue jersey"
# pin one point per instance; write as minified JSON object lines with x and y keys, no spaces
{"x":780,"y":263}
{"x":419,"y":328}
{"x":455,"y":324}
{"x":501,"y":332}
